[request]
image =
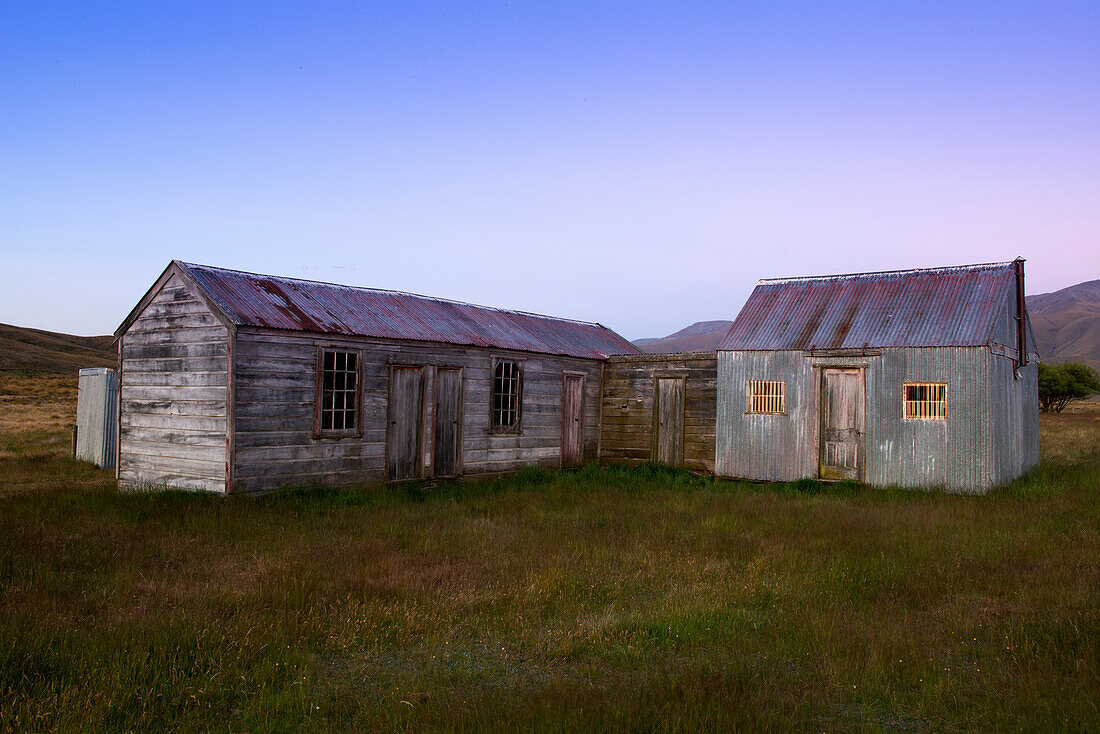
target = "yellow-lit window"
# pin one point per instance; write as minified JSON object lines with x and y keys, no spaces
{"x":766,"y":396}
{"x":926,"y":400}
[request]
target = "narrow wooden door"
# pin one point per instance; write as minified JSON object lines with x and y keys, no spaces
{"x":842,"y":424}
{"x":447,"y":438}
{"x":572,"y":423}
{"x":668,"y":407}
{"x":403,"y":434}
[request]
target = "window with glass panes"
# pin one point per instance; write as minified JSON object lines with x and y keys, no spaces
{"x":504,"y":409}
{"x":339,"y":390}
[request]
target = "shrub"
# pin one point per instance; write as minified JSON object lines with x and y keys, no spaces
{"x":1061,"y":384}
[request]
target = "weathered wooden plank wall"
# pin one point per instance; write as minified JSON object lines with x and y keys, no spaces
{"x":173,"y":394}
{"x":275,"y":394}
{"x":630,"y":385}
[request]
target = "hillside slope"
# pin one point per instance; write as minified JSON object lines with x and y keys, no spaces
{"x":1067,"y":324}
{"x":33,"y":350}
{"x":702,"y":336}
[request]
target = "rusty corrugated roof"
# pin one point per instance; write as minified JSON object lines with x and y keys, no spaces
{"x":935,"y":307}
{"x":272,"y":302}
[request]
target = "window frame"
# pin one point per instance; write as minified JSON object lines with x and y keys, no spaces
{"x":905,"y":402}
{"x":357,"y":430}
{"x":516,"y":427}
{"x":750,"y":406}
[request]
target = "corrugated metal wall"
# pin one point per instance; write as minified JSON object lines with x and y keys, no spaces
{"x":97,"y":416}
{"x":1015,"y":410}
{"x":955,"y":454}
{"x":776,"y":448}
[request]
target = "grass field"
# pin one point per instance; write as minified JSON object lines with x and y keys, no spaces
{"x":640,"y":599}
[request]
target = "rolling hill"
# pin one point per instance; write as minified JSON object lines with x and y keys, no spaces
{"x":1067,"y":324}
{"x":702,"y":336}
{"x":33,"y":350}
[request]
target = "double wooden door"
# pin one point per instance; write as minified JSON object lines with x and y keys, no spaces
{"x":842,"y":420}
{"x":406,"y":418}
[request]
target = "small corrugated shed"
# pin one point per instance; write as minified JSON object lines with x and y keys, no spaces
{"x":916,"y":378}
{"x":267,"y":301}
{"x":935,"y":307}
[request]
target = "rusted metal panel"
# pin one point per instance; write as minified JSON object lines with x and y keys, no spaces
{"x":937,"y":307}
{"x":249,"y":299}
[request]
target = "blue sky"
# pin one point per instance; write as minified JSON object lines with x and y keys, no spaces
{"x":637,"y":164}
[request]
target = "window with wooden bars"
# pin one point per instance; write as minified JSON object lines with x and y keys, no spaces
{"x":339,"y":409}
{"x":925,"y":400}
{"x":766,"y":396}
{"x":504,"y":408}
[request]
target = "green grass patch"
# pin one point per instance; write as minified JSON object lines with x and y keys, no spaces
{"x":640,"y":598}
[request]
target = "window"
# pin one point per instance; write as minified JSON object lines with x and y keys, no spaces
{"x":339,"y":391}
{"x":504,"y":409}
{"x":926,"y":400}
{"x":766,"y":396}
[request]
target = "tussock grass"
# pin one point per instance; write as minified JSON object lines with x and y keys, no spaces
{"x":608,"y":598}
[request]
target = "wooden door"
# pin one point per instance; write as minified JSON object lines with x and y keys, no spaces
{"x":403,"y":434}
{"x":572,"y":423}
{"x":668,"y":435}
{"x":842,"y":424}
{"x":447,"y":437}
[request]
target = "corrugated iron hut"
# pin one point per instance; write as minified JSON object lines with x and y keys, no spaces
{"x":915,"y":378}
{"x":235,"y":382}
{"x":660,"y":407}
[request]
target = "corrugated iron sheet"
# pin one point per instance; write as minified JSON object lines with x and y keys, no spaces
{"x":266,"y":301}
{"x":938,"y":307}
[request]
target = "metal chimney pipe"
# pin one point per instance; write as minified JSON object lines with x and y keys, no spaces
{"x":1021,"y":314}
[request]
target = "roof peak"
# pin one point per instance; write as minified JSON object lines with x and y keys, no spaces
{"x":879,"y":273}
{"x":367,"y":289}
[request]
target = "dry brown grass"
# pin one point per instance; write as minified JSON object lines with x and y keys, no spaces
{"x":37,"y":402}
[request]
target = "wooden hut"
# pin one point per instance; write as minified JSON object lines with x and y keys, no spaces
{"x":914,"y":378}
{"x":660,"y":408}
{"x":236,"y":382}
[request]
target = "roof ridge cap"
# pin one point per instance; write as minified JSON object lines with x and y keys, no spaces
{"x":903,"y":271}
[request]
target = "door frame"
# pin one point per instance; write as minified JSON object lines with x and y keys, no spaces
{"x":654,"y":432}
{"x":419,"y":474}
{"x":461,"y":416}
{"x":566,"y":375}
{"x":822,"y":396}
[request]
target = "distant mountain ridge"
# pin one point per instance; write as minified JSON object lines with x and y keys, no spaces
{"x":34,"y":350}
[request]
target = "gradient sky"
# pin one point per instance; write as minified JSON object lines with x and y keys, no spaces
{"x":636,"y":164}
